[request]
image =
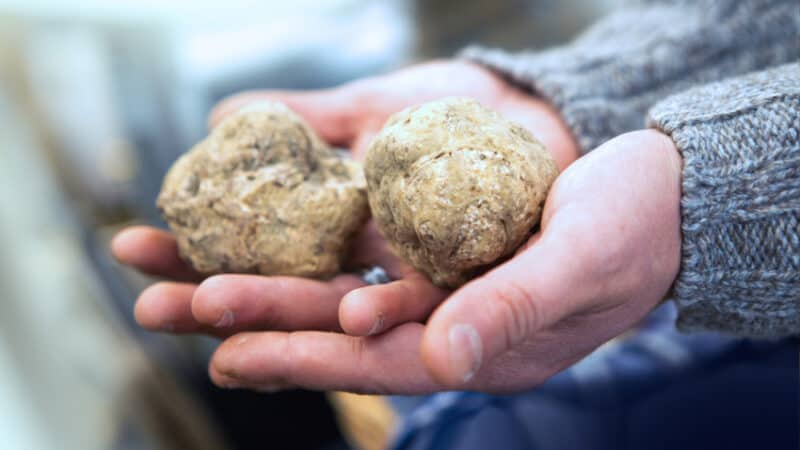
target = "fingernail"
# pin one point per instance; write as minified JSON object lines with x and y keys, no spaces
{"x":226,"y":320}
{"x":377,"y":326}
{"x":466,"y":350}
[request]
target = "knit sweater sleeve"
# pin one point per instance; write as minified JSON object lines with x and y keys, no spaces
{"x":604,"y":82}
{"x":740,"y":205}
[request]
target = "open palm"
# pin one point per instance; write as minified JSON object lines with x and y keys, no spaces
{"x":607,"y":254}
{"x":294,"y":326}
{"x":347,"y":116}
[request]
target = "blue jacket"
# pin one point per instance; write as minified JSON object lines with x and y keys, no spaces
{"x":653,"y":389}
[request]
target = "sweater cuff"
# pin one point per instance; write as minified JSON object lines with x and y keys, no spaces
{"x":740,"y":205}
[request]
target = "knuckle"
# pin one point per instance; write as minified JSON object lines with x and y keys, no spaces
{"x":269,"y":315}
{"x":299,"y":354}
{"x":518,"y":310}
{"x":371,"y":382}
{"x":358,"y":350}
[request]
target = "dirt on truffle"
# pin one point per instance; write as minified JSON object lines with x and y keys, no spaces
{"x":263,"y":194}
{"x":456,"y":187}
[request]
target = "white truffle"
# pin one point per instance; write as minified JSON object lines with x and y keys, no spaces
{"x":455,"y":187}
{"x":263,"y":194}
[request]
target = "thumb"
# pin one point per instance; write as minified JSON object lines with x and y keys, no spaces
{"x":498,"y":311}
{"x":331,"y":112}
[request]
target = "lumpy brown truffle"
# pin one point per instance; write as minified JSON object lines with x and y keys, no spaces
{"x":263,"y":194}
{"x":456,"y":187}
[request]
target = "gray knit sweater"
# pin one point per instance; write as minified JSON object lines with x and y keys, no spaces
{"x":713,"y":76}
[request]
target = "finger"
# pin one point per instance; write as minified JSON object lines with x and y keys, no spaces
{"x":233,"y":303}
{"x":167,"y":306}
{"x":331,"y":112}
{"x":496,"y":312}
{"x":152,"y":251}
{"x":388,"y":363}
{"x":375,"y":309}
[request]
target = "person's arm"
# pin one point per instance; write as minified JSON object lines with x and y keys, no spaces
{"x":740,"y":205}
{"x":604,"y":82}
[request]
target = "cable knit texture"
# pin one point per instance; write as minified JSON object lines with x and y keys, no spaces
{"x":741,"y":203}
{"x":604,"y":82}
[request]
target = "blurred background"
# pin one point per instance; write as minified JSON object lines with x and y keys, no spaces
{"x":97,"y":98}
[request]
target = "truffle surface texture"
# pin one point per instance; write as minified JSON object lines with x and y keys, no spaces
{"x":455,"y":187}
{"x":263,"y":194}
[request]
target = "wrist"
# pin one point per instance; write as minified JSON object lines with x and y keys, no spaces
{"x":670,"y":166}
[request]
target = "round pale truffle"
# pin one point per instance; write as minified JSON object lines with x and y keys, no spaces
{"x":263,"y":194}
{"x":456,"y":187}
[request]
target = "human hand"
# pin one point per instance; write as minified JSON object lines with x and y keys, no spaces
{"x":607,"y":253}
{"x":345,"y":116}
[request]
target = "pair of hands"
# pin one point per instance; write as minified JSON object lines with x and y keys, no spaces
{"x":606,"y":254}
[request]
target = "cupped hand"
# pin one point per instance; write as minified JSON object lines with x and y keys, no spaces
{"x":607,"y":254}
{"x":346,"y":116}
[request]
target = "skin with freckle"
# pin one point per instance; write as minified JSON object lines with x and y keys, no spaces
{"x":263,"y":194}
{"x":456,"y":187}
